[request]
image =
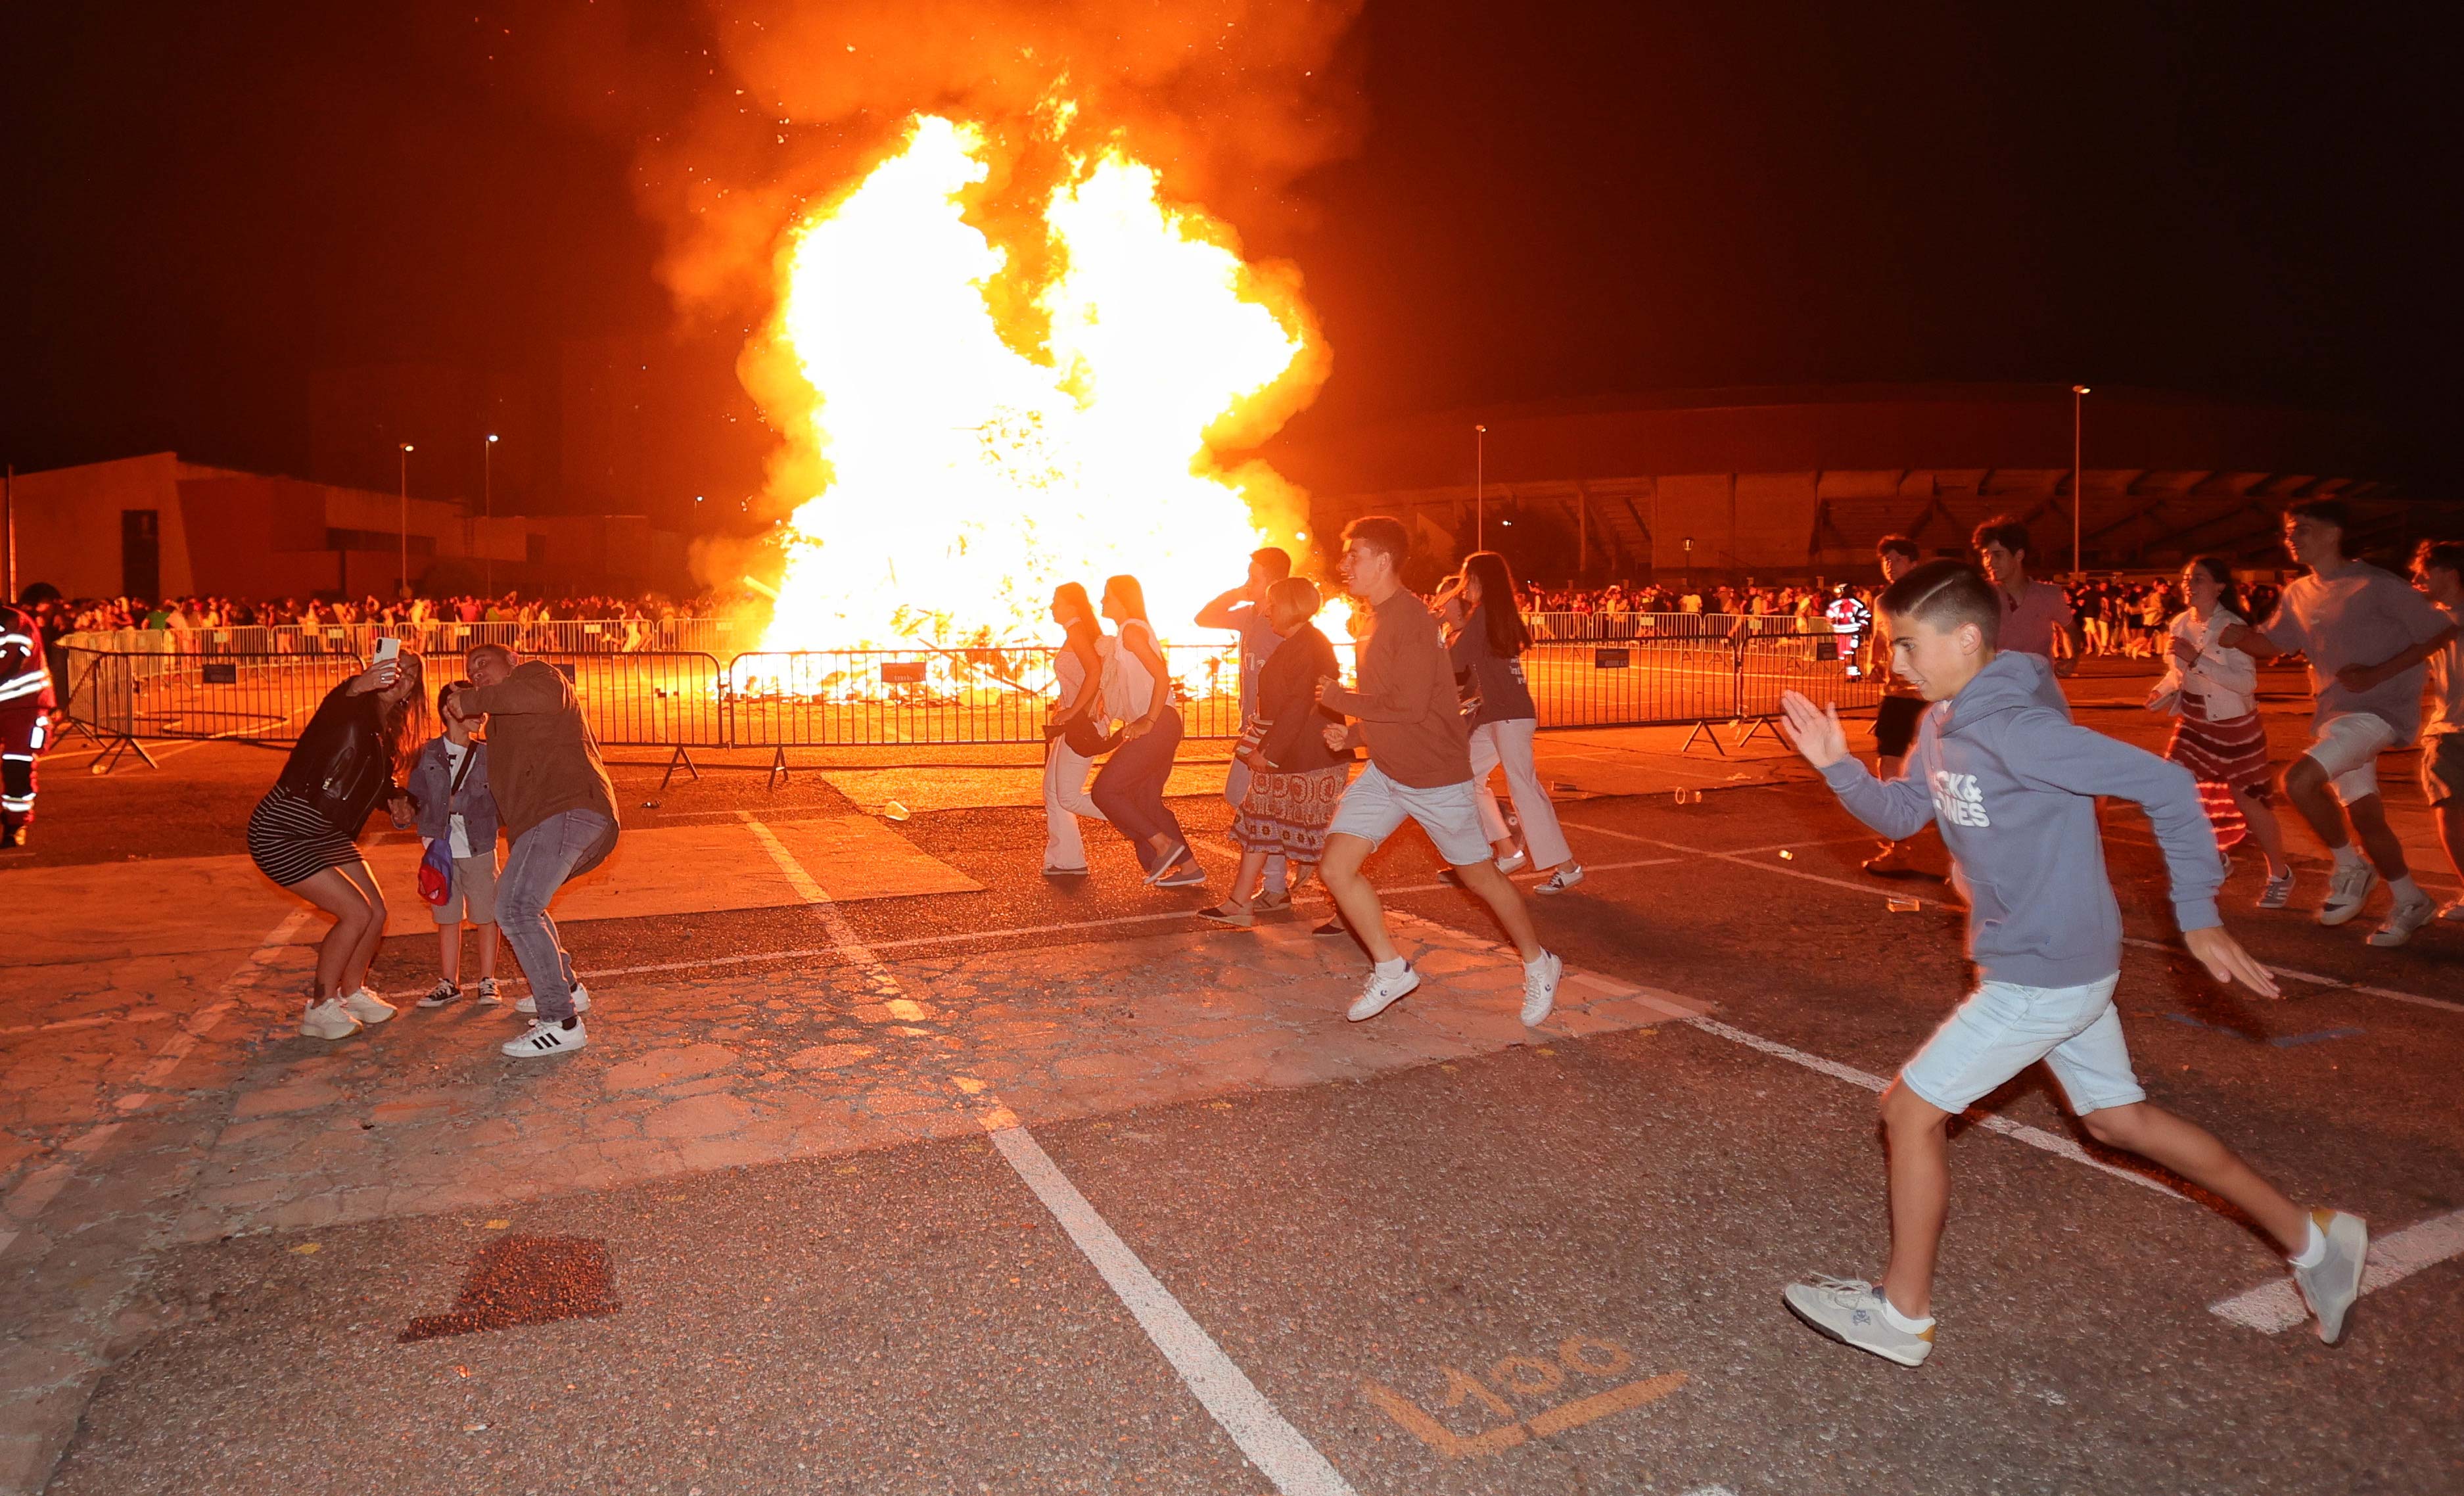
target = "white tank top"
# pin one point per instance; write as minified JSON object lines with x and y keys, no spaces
{"x":1130,"y":685}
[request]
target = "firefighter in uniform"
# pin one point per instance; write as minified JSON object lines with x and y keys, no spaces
{"x":1849,"y":618}
{"x":26,"y":707}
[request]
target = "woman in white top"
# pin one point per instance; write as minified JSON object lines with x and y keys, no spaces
{"x":2218,"y":734}
{"x":1079,"y":723}
{"x":1130,"y":789}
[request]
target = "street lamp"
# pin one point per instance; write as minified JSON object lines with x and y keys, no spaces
{"x":2078,"y":393}
{"x":488,"y":512}
{"x":401,"y":583}
{"x":1479,"y":484}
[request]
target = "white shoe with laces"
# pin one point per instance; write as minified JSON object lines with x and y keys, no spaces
{"x":1383,"y":992}
{"x":1514,"y":861}
{"x":1566,"y":877}
{"x":365,"y":1006}
{"x":581,"y":1001}
{"x":546,"y":1039}
{"x":2279,"y":891}
{"x":487,"y":996}
{"x":2331,"y":1287}
{"x":441,"y":994}
{"x":2347,"y":891}
{"x":1540,"y":981}
{"x":2404,"y":919}
{"x":1850,"y":1311}
{"x":328,"y":1019}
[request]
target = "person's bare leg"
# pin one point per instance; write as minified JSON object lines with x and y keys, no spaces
{"x":486,"y":935}
{"x":1252,"y":863}
{"x":2379,"y":840}
{"x":339,"y":896}
{"x":1506,"y":902}
{"x":2305,"y":786}
{"x":366,"y":955}
{"x":1354,"y":895}
{"x":2200,"y":1158}
{"x":448,"y":952}
{"x":1918,"y":1134}
{"x":2264,"y":829}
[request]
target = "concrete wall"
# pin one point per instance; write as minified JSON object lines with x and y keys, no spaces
{"x":68,"y":522}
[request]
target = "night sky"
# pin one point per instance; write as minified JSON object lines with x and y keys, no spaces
{"x":206,"y":205}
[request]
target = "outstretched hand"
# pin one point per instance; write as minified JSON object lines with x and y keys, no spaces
{"x":1812,"y":731}
{"x":2227,"y":961}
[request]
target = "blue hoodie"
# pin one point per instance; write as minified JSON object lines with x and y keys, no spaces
{"x":2013,"y":783}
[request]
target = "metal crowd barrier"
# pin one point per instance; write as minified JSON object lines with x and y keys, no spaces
{"x":714,"y":636}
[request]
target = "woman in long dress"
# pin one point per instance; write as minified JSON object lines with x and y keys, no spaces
{"x":2218,"y":734}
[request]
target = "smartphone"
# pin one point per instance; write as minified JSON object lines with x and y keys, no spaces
{"x":388,"y":651}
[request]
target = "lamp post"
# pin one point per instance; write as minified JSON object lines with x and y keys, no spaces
{"x":401,"y":583}
{"x":2079,"y":395}
{"x":1480,"y":486}
{"x":488,"y":512}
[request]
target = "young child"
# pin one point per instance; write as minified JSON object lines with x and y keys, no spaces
{"x":2013,"y":783}
{"x":450,"y":784}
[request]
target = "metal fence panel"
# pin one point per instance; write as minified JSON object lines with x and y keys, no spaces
{"x":245,"y":697}
{"x":647,"y":699}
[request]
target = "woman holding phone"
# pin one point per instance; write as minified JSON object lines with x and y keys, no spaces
{"x":304,"y":833}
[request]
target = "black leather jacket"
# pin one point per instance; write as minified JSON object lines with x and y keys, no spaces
{"x":343,"y":764}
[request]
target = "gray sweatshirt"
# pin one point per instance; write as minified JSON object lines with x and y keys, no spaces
{"x":2013,"y":783}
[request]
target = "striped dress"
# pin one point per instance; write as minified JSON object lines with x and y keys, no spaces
{"x":291,"y":843}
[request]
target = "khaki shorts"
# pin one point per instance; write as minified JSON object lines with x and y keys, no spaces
{"x":475,"y":892}
{"x":2348,"y":748}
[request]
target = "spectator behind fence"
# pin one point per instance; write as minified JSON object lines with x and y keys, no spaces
{"x":559,"y":810}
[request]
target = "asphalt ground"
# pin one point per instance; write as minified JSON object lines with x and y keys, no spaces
{"x":1553,"y":1269}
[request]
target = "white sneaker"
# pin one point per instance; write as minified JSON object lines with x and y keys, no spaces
{"x":1540,"y":988}
{"x":1383,"y":992}
{"x":2331,"y":1287}
{"x":328,"y":1019}
{"x":581,"y":1001}
{"x":1850,"y":1311}
{"x":1514,"y":861}
{"x":2403,"y":920}
{"x":1564,"y":878}
{"x":441,"y":994}
{"x":2347,"y":891}
{"x":2452,"y":913}
{"x":366,"y":1006}
{"x":2278,"y":892}
{"x":546,"y":1039}
{"x":487,"y":996}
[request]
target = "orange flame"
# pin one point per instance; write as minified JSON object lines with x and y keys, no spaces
{"x":974,"y":459}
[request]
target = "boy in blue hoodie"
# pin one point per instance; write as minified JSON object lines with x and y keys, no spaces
{"x":1999,"y":767}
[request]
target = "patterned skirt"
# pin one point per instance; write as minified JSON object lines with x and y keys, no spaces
{"x":2224,"y":756}
{"x":1288,"y":813}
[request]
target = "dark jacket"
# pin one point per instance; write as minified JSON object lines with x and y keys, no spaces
{"x":1287,"y":726}
{"x":545,"y":758}
{"x":343,"y":764}
{"x":431,"y":782}
{"x":1496,"y":679}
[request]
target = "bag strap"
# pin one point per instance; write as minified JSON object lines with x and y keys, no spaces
{"x":470,"y":757}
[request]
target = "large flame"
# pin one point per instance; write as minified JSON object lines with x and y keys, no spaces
{"x":986,"y":436}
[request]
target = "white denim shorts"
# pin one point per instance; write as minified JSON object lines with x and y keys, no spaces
{"x":2003,"y":1028}
{"x":2348,"y":748}
{"x":1372,"y":806}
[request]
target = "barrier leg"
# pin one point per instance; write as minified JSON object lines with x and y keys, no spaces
{"x":1760,"y":724}
{"x":681,"y":758}
{"x":119,"y":749}
{"x":1703,"y":730}
{"x":777,"y":766}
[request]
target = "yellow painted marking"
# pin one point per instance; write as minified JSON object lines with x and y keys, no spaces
{"x":498,"y":1226}
{"x":1526,"y":1377}
{"x":1599,"y":1405}
{"x":308,"y":1248}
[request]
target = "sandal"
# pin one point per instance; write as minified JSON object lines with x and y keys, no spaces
{"x":1228,"y":913}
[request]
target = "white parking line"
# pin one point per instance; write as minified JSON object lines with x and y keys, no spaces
{"x":2276,"y":1306}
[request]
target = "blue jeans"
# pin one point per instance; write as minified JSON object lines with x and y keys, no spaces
{"x":564,"y":846}
{"x":1130,"y":787}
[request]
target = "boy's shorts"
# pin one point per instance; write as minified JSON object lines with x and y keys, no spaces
{"x":2442,"y":768}
{"x":2003,"y":1028}
{"x":475,"y":892}
{"x":1373,"y":805}
{"x":2348,"y":748}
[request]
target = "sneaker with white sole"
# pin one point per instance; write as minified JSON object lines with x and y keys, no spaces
{"x":1540,"y":981}
{"x":581,"y":1001}
{"x":441,"y":994}
{"x":1564,"y":878}
{"x":1850,"y":1311}
{"x":487,"y":996}
{"x":2404,"y":919}
{"x":1170,"y":859}
{"x":1383,"y":992}
{"x":328,"y":1019}
{"x":2331,"y":1287}
{"x":546,"y":1039}
{"x":2347,"y":891}
{"x":1189,"y":876}
{"x":1514,"y":861}
{"x":2279,"y":891}
{"x":365,"y":1006}
{"x":2452,"y":913}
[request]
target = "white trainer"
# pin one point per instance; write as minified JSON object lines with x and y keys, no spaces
{"x":1383,"y":992}
{"x":488,"y":996}
{"x":2452,"y":913}
{"x":1565,"y":877}
{"x":365,"y":1006}
{"x":328,"y":1019}
{"x":1514,"y":861}
{"x":2404,"y":919}
{"x":581,"y":1001}
{"x":2331,"y":1287}
{"x":441,"y":994}
{"x":1850,"y":1311}
{"x":1540,"y":981}
{"x":2277,"y":892}
{"x":2347,"y":891}
{"x":546,"y":1039}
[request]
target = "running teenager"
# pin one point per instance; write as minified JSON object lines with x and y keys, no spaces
{"x":2217,"y":735}
{"x":1078,"y":725}
{"x":1487,"y":646}
{"x":1419,"y":768}
{"x":1244,"y":610}
{"x":1896,"y":714}
{"x":2035,"y":614}
{"x":2438,"y":571}
{"x":2367,"y":637}
{"x":2014,"y":784}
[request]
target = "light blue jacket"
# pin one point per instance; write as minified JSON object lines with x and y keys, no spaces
{"x":2013,"y":783}
{"x":431,"y":780}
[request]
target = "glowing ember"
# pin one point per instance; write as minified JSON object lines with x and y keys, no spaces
{"x":994,"y":424}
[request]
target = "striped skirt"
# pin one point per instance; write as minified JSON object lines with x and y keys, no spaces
{"x":291,"y":843}
{"x":2224,"y":756}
